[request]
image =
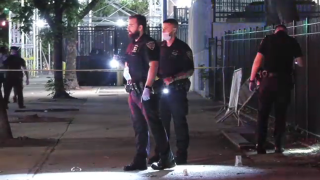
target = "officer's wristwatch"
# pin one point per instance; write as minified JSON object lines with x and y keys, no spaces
{"x":251,"y":81}
{"x":148,"y":87}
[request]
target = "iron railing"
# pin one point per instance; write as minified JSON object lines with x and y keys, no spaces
{"x":111,"y":39}
{"x":254,"y":10}
{"x":240,"y":48}
{"x":181,"y":14}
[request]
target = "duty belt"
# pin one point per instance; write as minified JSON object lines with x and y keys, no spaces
{"x":137,"y":88}
{"x":183,"y":84}
{"x":266,"y":74}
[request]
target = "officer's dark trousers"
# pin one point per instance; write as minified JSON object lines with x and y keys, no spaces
{"x":17,"y":84}
{"x":144,"y":114}
{"x":272,"y":91}
{"x":175,"y":105}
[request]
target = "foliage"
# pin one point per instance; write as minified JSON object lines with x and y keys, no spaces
{"x":104,"y":9}
{"x":204,"y":73}
{"x":50,"y":86}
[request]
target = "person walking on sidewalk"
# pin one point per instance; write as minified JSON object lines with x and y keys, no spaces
{"x":14,"y":79}
{"x":176,"y":66}
{"x":140,"y":71}
{"x":276,"y":55}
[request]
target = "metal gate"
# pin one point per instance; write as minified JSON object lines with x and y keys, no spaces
{"x":112,"y":40}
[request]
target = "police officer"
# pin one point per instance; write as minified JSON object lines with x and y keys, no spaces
{"x":176,"y":66}
{"x":276,"y":55}
{"x":140,"y":72}
{"x":14,"y":79}
{"x":3,"y":57}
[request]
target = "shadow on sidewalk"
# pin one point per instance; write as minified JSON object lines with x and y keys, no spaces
{"x":27,"y":142}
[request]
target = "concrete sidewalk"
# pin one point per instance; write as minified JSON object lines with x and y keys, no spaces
{"x":98,"y":140}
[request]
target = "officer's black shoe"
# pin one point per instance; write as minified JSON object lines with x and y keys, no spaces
{"x":22,"y":107}
{"x":181,"y":157}
{"x":154,"y":159}
{"x":278,"y":150}
{"x":165,"y":162}
{"x":261,"y":150}
{"x":137,"y":164}
{"x":180,"y":160}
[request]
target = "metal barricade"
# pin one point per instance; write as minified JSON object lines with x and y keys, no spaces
{"x":234,"y":97}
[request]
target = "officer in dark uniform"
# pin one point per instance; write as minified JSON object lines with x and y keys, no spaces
{"x":3,"y":57}
{"x":140,"y":72}
{"x":176,"y":66}
{"x":276,"y":55}
{"x":14,"y":79}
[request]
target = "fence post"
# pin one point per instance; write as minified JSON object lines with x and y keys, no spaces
{"x":294,"y":87}
{"x":224,"y":67}
{"x":214,"y":10}
{"x":307,"y":77}
{"x":250,"y":52}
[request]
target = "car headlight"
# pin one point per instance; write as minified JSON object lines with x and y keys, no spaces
{"x":114,"y":63}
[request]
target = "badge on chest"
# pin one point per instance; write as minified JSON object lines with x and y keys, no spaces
{"x":135,"y":48}
{"x":175,"y":52}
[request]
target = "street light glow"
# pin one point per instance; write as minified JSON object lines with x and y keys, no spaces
{"x":3,"y":23}
{"x":120,"y":22}
{"x":114,"y":64}
{"x":41,"y":23}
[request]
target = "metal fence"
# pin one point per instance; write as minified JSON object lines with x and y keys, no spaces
{"x":254,"y":10}
{"x":111,"y":39}
{"x":240,"y":48}
{"x":181,"y":14}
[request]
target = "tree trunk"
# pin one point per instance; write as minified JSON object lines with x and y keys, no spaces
{"x":5,"y":130}
{"x":71,"y":60}
{"x":60,"y":91}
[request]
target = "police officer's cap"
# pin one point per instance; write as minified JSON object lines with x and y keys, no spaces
{"x":14,"y":48}
{"x":281,"y":26}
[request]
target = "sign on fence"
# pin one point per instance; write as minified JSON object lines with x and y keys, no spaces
{"x":234,"y":96}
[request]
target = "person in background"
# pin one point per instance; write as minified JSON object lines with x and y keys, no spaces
{"x":14,"y":79}
{"x":3,"y":57}
{"x":276,"y":55}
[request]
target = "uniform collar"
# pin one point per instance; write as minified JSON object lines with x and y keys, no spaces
{"x":140,"y":39}
{"x":164,"y":43}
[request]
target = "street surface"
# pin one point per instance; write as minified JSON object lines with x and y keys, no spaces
{"x":98,"y":140}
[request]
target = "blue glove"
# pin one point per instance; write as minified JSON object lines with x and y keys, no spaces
{"x":146,"y":94}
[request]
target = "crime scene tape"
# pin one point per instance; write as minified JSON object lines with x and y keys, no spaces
{"x":94,"y":70}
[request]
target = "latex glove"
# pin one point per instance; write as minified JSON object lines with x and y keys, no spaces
{"x":146,"y":94}
{"x":27,"y":82}
{"x":126,"y":74}
{"x":252,"y":86}
{"x":168,"y":80}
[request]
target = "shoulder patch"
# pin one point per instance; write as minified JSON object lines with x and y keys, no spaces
{"x":189,"y":55}
{"x":151,"y":45}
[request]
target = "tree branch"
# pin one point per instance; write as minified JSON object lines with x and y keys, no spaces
{"x":88,"y":8}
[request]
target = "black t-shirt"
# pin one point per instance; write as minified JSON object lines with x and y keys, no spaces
{"x":175,"y":59}
{"x":139,"y":54}
{"x":279,"y":51}
{"x":14,"y":62}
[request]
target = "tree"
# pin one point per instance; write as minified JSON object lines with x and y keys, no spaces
{"x":62,"y":16}
{"x":101,"y":9}
{"x":71,"y":43}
